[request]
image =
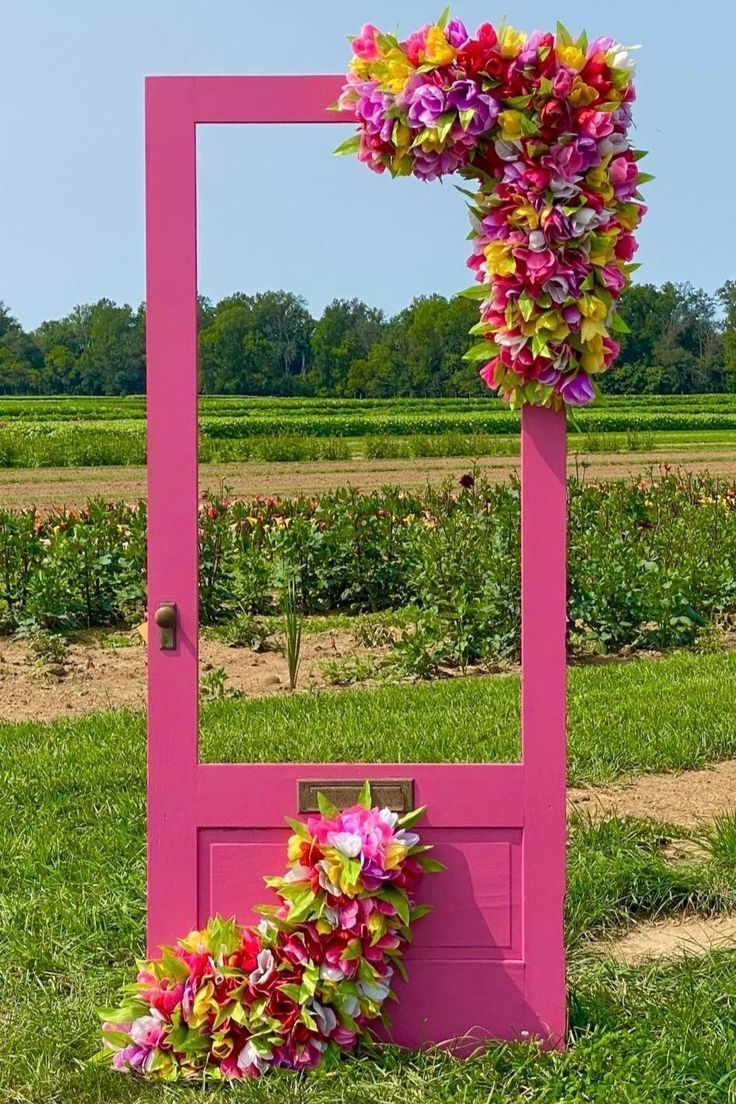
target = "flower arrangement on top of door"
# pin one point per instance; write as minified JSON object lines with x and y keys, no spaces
{"x":540,"y":124}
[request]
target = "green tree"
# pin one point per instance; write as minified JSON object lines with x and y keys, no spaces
{"x":346,"y":332}
{"x":97,"y":349}
{"x":726,"y":296}
{"x":254,"y":344}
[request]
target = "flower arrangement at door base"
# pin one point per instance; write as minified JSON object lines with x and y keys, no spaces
{"x":302,"y":987}
{"x":540,"y":124}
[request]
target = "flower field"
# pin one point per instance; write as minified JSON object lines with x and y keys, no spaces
{"x":651,"y":563}
{"x":82,"y":431}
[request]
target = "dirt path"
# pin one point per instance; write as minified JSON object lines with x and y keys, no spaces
{"x":690,"y":799}
{"x":672,"y":938}
{"x":48,"y":488}
{"x":93,"y":677}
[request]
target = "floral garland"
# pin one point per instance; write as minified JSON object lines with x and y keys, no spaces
{"x":541,"y":124}
{"x":304,"y":985}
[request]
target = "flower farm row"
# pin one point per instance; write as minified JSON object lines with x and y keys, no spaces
{"x":103,"y":408}
{"x":91,"y":432}
{"x":651,"y":564}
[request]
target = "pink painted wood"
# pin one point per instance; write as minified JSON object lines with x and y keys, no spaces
{"x":489,"y":962}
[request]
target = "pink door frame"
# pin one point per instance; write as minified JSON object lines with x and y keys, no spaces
{"x":214,"y":828}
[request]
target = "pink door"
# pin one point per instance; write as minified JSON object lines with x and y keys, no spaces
{"x":489,"y":961}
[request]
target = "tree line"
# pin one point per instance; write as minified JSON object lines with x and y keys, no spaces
{"x":682,"y":340}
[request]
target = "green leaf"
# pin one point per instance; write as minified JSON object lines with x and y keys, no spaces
{"x":408,"y":819}
{"x":325,"y":806}
{"x":350,"y":145}
{"x":396,"y":898}
{"x":354,"y":949}
{"x":539,"y":345}
{"x":528,"y":127}
{"x":467,"y":192}
{"x":366,"y":972}
{"x":124,"y":1014}
{"x":644,"y":178}
{"x":466,"y":117}
{"x":519,"y":102}
{"x":431,"y":866}
{"x":299,"y":828}
{"x":291,"y":990}
{"x":418,"y":912}
{"x":442,"y":21}
{"x":563,"y":35}
{"x":526,"y":306}
{"x":352,"y":871}
{"x":475,"y":291}
{"x":364,"y":797}
{"x":445,"y":124}
{"x":482,"y":351}
{"x":619,"y":326}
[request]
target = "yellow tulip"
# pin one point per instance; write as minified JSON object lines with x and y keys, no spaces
{"x":438,"y":50}
{"x":592,"y":307}
{"x":376,"y":922}
{"x":510,"y":125}
{"x":203,"y":1006}
{"x":294,"y":848}
{"x":525,"y":215}
{"x":581,"y":94}
{"x":395,"y":853}
{"x":602,"y":247}
{"x":511,"y":42}
{"x":431,"y":143}
{"x":592,"y":363}
{"x":222,"y":1046}
{"x":571,"y":56}
{"x":398,"y":69}
{"x":590,"y":329}
{"x":498,"y":259}
{"x":401,"y":135}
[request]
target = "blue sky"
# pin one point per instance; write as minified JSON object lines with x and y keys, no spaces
{"x":275,"y":209}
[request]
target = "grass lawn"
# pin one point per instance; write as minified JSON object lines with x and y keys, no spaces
{"x":72,"y":876}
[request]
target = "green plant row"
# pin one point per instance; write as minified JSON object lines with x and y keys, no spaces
{"x":649,"y":564}
{"x":72,"y":408}
{"x":106,"y":444}
{"x":275,"y":438}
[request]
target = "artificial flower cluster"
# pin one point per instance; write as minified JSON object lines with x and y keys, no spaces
{"x":304,"y":985}
{"x":541,"y":124}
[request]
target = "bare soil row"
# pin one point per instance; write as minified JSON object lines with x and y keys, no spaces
{"x":50,"y":488}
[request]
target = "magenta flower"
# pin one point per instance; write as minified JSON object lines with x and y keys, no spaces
{"x":429,"y":166}
{"x":623,"y":173}
{"x":456,"y":34}
{"x":576,"y":390}
{"x":562,"y":83}
{"x":364,"y":45}
{"x":427,"y":104}
{"x":415,"y":45}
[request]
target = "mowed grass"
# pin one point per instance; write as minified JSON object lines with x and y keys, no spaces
{"x":72,"y":873}
{"x":624,"y":718}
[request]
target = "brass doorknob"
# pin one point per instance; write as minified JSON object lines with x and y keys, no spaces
{"x":165,"y":618}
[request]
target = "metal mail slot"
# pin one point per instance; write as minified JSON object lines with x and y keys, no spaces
{"x":396,"y":794}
